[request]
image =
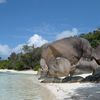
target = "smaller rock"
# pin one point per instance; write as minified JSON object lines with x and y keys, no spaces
{"x":72,"y":79}
{"x":51,"y":80}
{"x":88,"y":79}
{"x":66,"y":79}
{"x":93,"y":78}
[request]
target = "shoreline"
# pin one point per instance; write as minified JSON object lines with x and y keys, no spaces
{"x":19,"y":72}
{"x":65,"y":91}
{"x":46,"y":92}
{"x":75,"y":91}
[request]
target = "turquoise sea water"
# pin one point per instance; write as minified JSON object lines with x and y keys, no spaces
{"x":19,"y":87}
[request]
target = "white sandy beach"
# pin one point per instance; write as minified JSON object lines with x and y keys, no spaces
{"x":75,"y":91}
{"x":66,"y":91}
{"x":21,"y":72}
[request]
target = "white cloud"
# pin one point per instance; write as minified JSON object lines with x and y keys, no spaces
{"x":4,"y":51}
{"x":37,"y":40}
{"x":3,"y":1}
{"x":67,"y":33}
{"x":18,"y":48}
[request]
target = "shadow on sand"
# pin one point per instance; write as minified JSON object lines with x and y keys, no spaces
{"x":87,"y":93}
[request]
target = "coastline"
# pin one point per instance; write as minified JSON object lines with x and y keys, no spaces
{"x":75,"y":91}
{"x":65,"y":91}
{"x":46,"y":94}
{"x":20,"y":72}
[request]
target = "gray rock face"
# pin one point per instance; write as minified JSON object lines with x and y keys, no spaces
{"x":96,"y":54}
{"x":87,"y":65}
{"x":72,"y":79}
{"x":51,"y":80}
{"x":93,"y":78}
{"x":60,"y":67}
{"x":57,"y":68}
{"x":70,"y":50}
{"x":97,"y":71}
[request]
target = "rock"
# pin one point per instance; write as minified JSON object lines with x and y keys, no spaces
{"x":79,"y":71}
{"x":96,"y":76}
{"x":66,"y":79}
{"x":51,"y":80}
{"x":87,"y":65}
{"x":88,"y":79}
{"x":70,"y":50}
{"x":97,"y":71}
{"x":96,"y":54}
{"x":93,"y":78}
{"x":72,"y":79}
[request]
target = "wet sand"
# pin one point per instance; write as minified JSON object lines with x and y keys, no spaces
{"x":44,"y":92}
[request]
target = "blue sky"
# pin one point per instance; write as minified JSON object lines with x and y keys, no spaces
{"x":47,"y":20}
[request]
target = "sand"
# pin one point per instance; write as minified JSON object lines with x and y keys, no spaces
{"x":21,"y":72}
{"x":66,"y":91}
{"x":75,"y":91}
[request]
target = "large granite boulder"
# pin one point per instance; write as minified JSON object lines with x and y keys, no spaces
{"x":70,"y":50}
{"x":57,"y":68}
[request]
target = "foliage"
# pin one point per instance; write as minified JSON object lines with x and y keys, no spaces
{"x":29,"y":59}
{"x":93,"y":37}
{"x":4,"y":64}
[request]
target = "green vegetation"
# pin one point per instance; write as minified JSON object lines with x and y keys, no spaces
{"x":30,"y":58}
{"x":93,"y":37}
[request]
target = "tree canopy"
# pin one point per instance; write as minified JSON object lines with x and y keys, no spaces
{"x":29,"y":59}
{"x":92,"y":37}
